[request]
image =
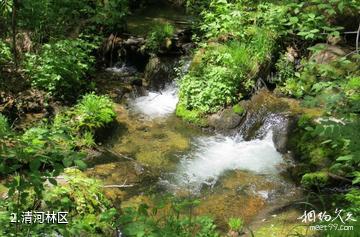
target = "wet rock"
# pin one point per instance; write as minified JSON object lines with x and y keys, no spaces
{"x":158,"y":72}
{"x":226,"y":119}
{"x":281,"y":134}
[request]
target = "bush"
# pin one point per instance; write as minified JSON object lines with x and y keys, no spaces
{"x":226,"y":72}
{"x":61,"y":67}
{"x":158,"y":35}
{"x":52,"y":19}
{"x":89,"y":213}
{"x":236,"y":224}
{"x":81,"y":122}
{"x":94,"y":111}
{"x":171,"y":218}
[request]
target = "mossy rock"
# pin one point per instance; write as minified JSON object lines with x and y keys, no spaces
{"x":319,"y":179}
{"x":238,"y":109}
{"x":226,"y":119}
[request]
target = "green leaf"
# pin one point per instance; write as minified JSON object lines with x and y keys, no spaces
{"x":345,"y":158}
{"x":35,"y":165}
{"x":52,"y":181}
{"x":81,"y":164}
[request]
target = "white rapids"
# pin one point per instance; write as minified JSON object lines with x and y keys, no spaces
{"x":214,"y":155}
{"x":157,"y":104}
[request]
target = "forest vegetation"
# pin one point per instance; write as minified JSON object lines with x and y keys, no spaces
{"x":306,"y":51}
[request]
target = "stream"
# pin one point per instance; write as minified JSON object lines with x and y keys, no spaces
{"x":232,"y":176}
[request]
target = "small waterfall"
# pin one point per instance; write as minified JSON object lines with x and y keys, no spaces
{"x":157,"y":104}
{"x":214,"y":155}
{"x":122,"y":68}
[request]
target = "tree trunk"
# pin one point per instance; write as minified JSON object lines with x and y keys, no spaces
{"x":13,"y":27}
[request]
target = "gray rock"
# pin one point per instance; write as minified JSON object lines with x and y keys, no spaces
{"x":226,"y":119}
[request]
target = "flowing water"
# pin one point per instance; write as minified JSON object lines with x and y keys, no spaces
{"x":157,"y":104}
{"x":232,"y":176}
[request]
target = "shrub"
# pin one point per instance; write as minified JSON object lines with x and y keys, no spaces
{"x":236,"y":224}
{"x":85,"y":118}
{"x":158,"y":35}
{"x":226,"y":72}
{"x":89,"y":213}
{"x":171,"y":218}
{"x":94,"y":111}
{"x":61,"y":67}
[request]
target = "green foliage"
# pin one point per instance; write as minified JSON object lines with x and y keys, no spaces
{"x":61,"y":67}
{"x":94,"y":111}
{"x":236,"y":224}
{"x":89,"y":212}
{"x":162,"y":220}
{"x":31,"y":159}
{"x":191,"y":116}
{"x":307,"y":19}
{"x":5,"y":53}
{"x":81,"y":122}
{"x":4,"y":126}
{"x":111,"y":14}
{"x":285,"y":70}
{"x":226,"y":72}
{"x":90,"y":113}
{"x":314,"y":79}
{"x":158,"y":35}
{"x":353,"y":197}
{"x":56,"y":19}
{"x":331,"y":144}
{"x":234,"y":18}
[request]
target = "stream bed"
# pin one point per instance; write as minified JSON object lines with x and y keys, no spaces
{"x":231,"y":176}
{"x":161,"y":154}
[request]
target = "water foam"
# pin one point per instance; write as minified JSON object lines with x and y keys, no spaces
{"x":214,"y":155}
{"x":157,"y":104}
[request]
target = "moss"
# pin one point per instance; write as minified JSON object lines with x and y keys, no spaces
{"x":318,"y":157}
{"x":238,"y":109}
{"x":191,"y":116}
{"x":319,"y":178}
